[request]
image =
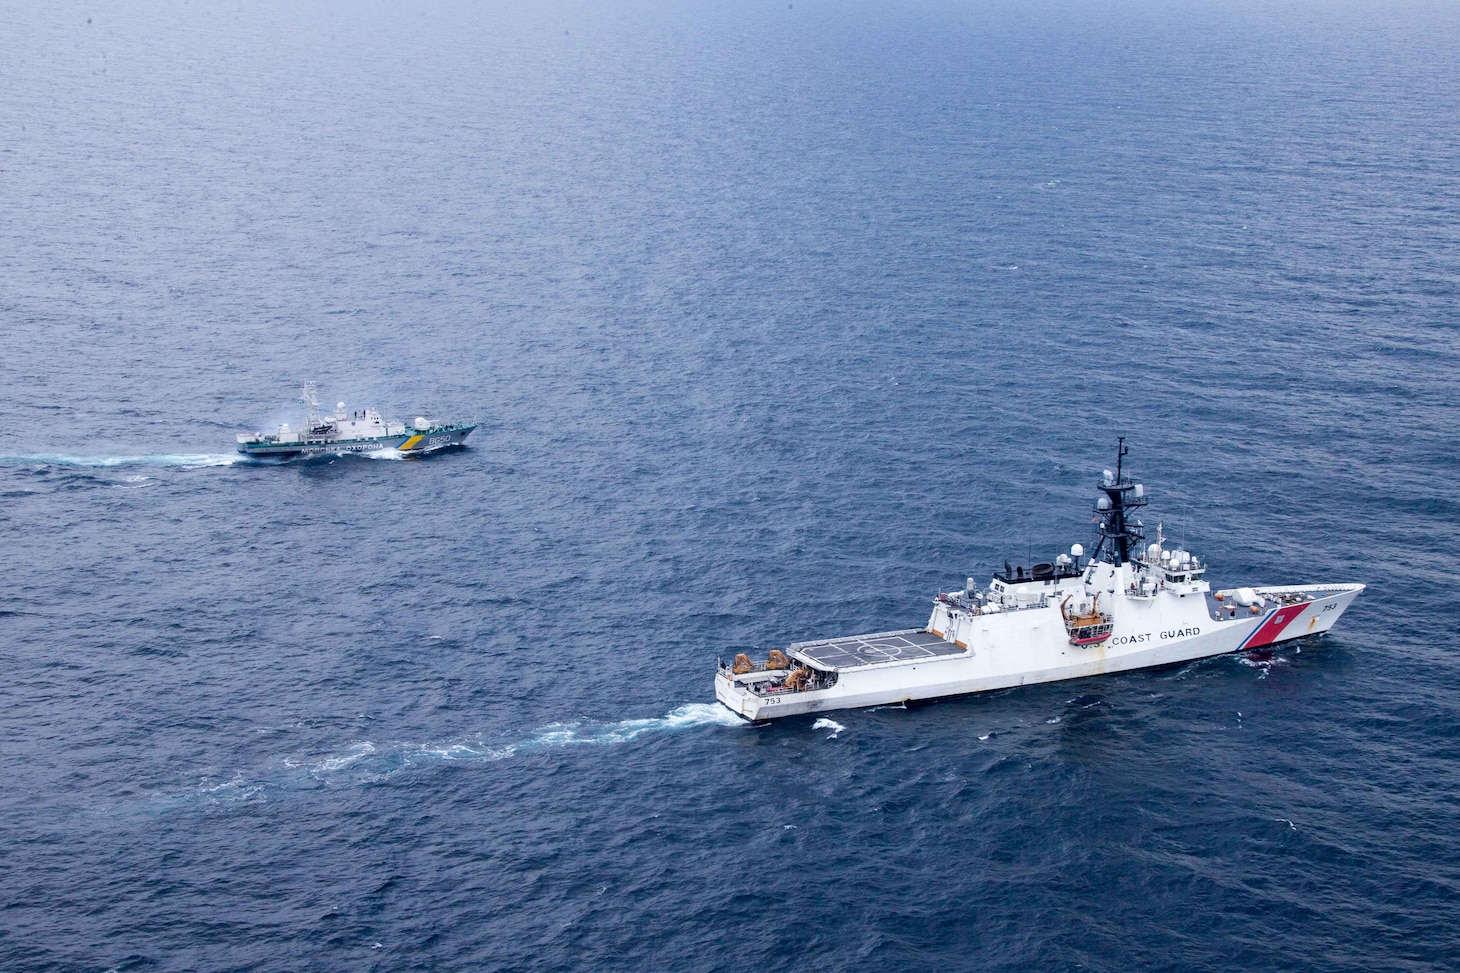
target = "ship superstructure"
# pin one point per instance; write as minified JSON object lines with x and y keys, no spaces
{"x":360,"y":431}
{"x":1127,"y":605}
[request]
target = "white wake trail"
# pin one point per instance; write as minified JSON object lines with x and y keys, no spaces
{"x":187,"y":461}
{"x":365,"y":762}
{"x":576,"y":734}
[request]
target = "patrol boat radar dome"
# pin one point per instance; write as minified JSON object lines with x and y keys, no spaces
{"x":1127,"y":605}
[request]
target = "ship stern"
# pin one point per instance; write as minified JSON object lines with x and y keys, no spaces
{"x":739,"y":700}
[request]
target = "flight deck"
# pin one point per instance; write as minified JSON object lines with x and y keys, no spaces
{"x":867,"y":650}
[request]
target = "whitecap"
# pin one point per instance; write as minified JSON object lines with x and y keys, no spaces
{"x":236,"y":790}
{"x":453,"y":751}
{"x":356,"y":753}
{"x":826,"y":724}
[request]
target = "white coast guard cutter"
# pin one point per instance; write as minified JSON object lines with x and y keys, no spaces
{"x":1126,"y":606}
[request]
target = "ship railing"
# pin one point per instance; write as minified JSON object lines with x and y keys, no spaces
{"x":1299,"y":589}
{"x":814,"y":643}
{"x":820,"y":680}
{"x":1003,"y":607}
{"x":754,"y":667}
{"x":972,"y":607}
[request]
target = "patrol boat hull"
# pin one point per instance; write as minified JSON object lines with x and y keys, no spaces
{"x":413,"y":442}
{"x":1031,"y":627}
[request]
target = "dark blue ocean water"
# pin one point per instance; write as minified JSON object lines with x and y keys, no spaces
{"x":779,"y":318}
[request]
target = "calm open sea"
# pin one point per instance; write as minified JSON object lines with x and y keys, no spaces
{"x":778,"y":318}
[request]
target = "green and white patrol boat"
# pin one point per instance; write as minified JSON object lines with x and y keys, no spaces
{"x":360,"y":431}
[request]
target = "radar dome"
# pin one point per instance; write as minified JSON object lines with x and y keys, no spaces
{"x":1077,"y":550}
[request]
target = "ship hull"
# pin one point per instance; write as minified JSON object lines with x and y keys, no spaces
{"x":1016,"y":649}
{"x":409,"y":443}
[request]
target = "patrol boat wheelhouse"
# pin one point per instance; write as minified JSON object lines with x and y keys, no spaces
{"x":362,"y":431}
{"x":1126,"y":606}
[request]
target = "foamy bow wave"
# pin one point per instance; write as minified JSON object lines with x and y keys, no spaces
{"x":1263,"y":664}
{"x":386,"y":453}
{"x":187,"y":461}
{"x":826,"y":724}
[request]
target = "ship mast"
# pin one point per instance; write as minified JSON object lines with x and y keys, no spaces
{"x":1117,"y":530}
{"x":310,"y":398}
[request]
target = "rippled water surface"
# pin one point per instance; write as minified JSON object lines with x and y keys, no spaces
{"x":778,"y":319}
